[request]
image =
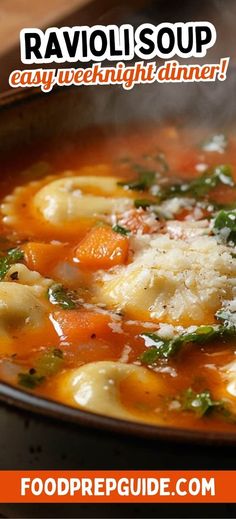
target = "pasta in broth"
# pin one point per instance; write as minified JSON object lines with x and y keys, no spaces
{"x":118,"y":270}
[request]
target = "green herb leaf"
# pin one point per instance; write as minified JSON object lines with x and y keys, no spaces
{"x":150,"y":356}
{"x":201,"y":335}
{"x":224,"y":226}
{"x":201,"y":403}
{"x":121,"y":230}
{"x":4,"y":267}
{"x":144,"y":181}
{"x":200,"y":186}
{"x":159,"y":348}
{"x":58,"y":295}
{"x":30,"y":380}
{"x":12,"y":256}
{"x":15,"y":255}
{"x":143,"y":202}
{"x":196,"y":188}
{"x":50,"y":362}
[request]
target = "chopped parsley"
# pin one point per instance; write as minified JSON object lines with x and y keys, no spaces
{"x":120,"y":230}
{"x":197,"y":188}
{"x":142,"y":202}
{"x":12,"y":256}
{"x":200,"y":186}
{"x":30,"y":380}
{"x":224,"y":226}
{"x":49,"y":363}
{"x":58,"y":295}
{"x":150,"y":356}
{"x":146,"y":178}
{"x":200,"y":403}
{"x":15,"y":255}
{"x":160,"y":348}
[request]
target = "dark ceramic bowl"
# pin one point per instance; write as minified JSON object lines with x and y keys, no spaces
{"x":37,"y":433}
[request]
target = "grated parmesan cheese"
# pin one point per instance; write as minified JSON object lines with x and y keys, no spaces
{"x":116,"y":326}
{"x":125,"y":354}
{"x":169,"y":208}
{"x":179,"y":281}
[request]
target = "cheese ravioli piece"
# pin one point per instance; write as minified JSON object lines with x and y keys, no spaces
{"x":24,"y":276}
{"x":22,"y":299}
{"x":95,"y":387}
{"x":70,"y":198}
{"x":19,"y":306}
{"x":180,"y":280}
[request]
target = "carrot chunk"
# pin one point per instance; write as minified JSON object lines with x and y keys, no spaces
{"x":42,"y":256}
{"x":81,"y":325}
{"x":102,"y":248}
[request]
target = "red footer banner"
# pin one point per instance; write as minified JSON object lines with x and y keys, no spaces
{"x":117,"y":486}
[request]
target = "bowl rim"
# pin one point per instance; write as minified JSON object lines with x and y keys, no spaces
{"x":12,"y":97}
{"x":18,"y":398}
{"x":21,"y":399}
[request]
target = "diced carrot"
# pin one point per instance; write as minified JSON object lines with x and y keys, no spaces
{"x":81,"y":325}
{"x":102,"y":248}
{"x":42,"y":256}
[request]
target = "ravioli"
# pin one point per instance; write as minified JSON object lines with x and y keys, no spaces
{"x":71,"y":197}
{"x":24,"y":276}
{"x":63,"y":200}
{"x":19,"y":306}
{"x":179,"y":280}
{"x":96,"y":387}
{"x":22,"y":301}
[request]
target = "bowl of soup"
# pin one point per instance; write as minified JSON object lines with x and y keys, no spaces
{"x":118,"y":262}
